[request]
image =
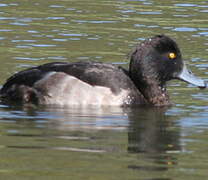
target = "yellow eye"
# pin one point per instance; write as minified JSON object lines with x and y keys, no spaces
{"x":172,"y":55}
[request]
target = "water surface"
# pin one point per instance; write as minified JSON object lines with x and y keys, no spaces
{"x":110,"y":142}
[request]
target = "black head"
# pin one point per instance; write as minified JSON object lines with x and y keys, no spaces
{"x":156,"y":61}
{"x":159,"y":59}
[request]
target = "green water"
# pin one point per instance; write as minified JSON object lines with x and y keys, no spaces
{"x":103,"y":143}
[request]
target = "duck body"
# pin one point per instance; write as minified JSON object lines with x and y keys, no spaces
{"x":80,"y":83}
{"x":153,"y":62}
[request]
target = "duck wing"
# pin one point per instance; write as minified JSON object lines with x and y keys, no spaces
{"x":93,"y":73}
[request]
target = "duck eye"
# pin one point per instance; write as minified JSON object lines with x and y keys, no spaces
{"x":172,"y":55}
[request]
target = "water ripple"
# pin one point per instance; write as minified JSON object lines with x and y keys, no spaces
{"x":3,"y":5}
{"x":185,"y":29}
{"x":185,"y":5}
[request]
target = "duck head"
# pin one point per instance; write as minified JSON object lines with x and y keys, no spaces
{"x":156,"y":61}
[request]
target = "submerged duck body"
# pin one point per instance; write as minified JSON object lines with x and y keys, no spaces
{"x":153,"y":63}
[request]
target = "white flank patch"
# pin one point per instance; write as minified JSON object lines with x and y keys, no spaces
{"x":60,"y":88}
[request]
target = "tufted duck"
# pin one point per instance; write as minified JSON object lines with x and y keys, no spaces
{"x":153,"y":62}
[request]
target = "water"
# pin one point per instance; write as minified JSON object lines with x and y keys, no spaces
{"x":103,"y":143}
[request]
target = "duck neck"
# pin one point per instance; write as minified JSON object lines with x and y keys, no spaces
{"x":153,"y":91}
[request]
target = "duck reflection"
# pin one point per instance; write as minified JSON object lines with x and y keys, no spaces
{"x":152,"y":131}
{"x":155,"y":137}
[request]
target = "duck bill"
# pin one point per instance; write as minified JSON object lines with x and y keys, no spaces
{"x":187,"y":76}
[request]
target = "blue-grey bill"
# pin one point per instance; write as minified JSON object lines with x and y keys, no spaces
{"x":187,"y":76}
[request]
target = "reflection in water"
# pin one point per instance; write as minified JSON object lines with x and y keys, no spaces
{"x":152,"y":133}
{"x":145,"y":139}
{"x":150,"y":130}
{"x":88,"y":118}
